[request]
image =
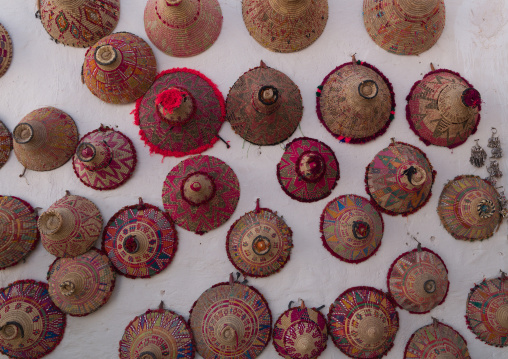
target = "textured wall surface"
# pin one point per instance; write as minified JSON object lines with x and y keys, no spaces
{"x":46,"y":74}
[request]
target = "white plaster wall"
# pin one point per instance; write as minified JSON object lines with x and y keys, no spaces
{"x":46,"y":74}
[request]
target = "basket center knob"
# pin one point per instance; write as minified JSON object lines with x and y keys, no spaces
{"x":368,"y":89}
{"x":131,"y":244}
{"x":502,"y":316}
{"x":311,"y":166}
{"x":11,"y":330}
{"x":429,"y":286}
{"x":261,"y":245}
{"x":198,"y":188}
{"x":67,"y":288}
{"x":107,"y":57}
{"x":412,"y":175}
{"x":175,"y":105}
{"x":94,"y":155}
{"x":266,"y":99}
{"x":371,"y":330}
{"x":229,"y":335}
{"x":304,"y":344}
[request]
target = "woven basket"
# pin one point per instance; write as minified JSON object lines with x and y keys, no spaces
{"x":5,"y":50}
{"x":5,"y":144}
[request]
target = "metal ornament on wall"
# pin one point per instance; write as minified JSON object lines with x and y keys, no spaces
{"x":478,"y":155}
{"x":5,"y":144}
{"x":495,"y":144}
{"x":5,"y":50}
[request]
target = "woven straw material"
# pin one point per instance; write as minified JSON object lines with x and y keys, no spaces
{"x":231,"y":321}
{"x":81,"y":285}
{"x":487,"y":311}
{"x":32,"y":326}
{"x":112,"y":162}
{"x":79,"y":23}
{"x":218,"y":205}
{"x":308,"y":170}
{"x":300,"y":333}
{"x":129,"y":75}
{"x":183,"y":28}
{"x":160,"y":333}
{"x":418,"y":281}
{"x":140,"y":240}
{"x":196,"y":134}
{"x":70,"y":226}
{"x":45,"y":139}
{"x":258,"y":117}
{"x":436,"y":341}
{"x":469,"y":208}
{"x":18,"y":230}
{"x":436,"y":112}
{"x":5,"y":50}
{"x":355,"y":102}
{"x":351,"y":228}
{"x":404,"y":27}
{"x":363,"y":322}
{"x":285,"y":25}
{"x":399,"y":179}
{"x":5,"y":144}
{"x":259,"y":243}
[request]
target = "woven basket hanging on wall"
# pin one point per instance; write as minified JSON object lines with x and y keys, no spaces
{"x":18,"y":230}
{"x":469,"y":208}
{"x":5,"y":144}
{"x":183,"y":28}
{"x":285,"y":25}
{"x":5,"y":50}
{"x":45,"y":139}
{"x":79,"y":23}
{"x":404,"y":27}
{"x":443,"y":109}
{"x":31,"y":325}
{"x":120,"y":68}
{"x":264,"y":106}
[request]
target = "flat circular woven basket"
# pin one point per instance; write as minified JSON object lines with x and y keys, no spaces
{"x":5,"y":50}
{"x":5,"y":144}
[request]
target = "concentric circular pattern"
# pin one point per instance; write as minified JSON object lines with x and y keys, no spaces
{"x":231,"y":321}
{"x":459,"y":209}
{"x":259,"y":243}
{"x":128,"y":77}
{"x":355,"y":102}
{"x":436,"y":341}
{"x":5,"y":50}
{"x":285,"y":26}
{"x":418,"y":281}
{"x":363,"y":323}
{"x":81,"y":285}
{"x":351,"y":228}
{"x":404,"y":27}
{"x":308,"y":170}
{"x":5,"y":144}
{"x":300,"y":333}
{"x":487,"y":311}
{"x":157,"y":334}
{"x":18,"y":230}
{"x":269,"y":122}
{"x":140,"y":241}
{"x":32,"y":325}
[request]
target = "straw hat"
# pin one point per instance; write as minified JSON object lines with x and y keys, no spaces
{"x":308,"y":170}
{"x":231,"y":320}
{"x":469,"y":208}
{"x":285,"y":25}
{"x":5,"y":50}
{"x":418,"y":280}
{"x":355,"y":102}
{"x":300,"y":333}
{"x":140,"y":240}
{"x":264,"y":106}
{"x":70,"y":226}
{"x":201,"y":193}
{"x":5,"y":144}
{"x":399,"y":179}
{"x":404,"y":27}
{"x":487,"y":311}
{"x":259,"y":243}
{"x":183,"y":27}
{"x":81,"y":285}
{"x":105,"y":159}
{"x":351,"y":228}
{"x":436,"y":338}
{"x":443,"y":109}
{"x":157,"y":334}
{"x":78,"y":23}
{"x":31,"y":326}
{"x":45,"y":139}
{"x":18,"y":230}
{"x":181,"y":113}
{"x":120,"y":68}
{"x":363,"y":322}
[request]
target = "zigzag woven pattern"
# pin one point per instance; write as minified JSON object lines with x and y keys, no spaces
{"x":5,"y":50}
{"x":5,"y":144}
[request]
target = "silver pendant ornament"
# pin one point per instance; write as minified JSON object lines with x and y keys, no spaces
{"x":478,"y":155}
{"x":495,"y":144}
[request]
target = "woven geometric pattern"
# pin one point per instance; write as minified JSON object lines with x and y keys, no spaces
{"x":5,"y":50}
{"x":5,"y":144}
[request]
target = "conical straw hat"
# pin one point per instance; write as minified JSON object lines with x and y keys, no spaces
{"x":70,"y":226}
{"x":285,"y":25}
{"x":45,"y":139}
{"x":404,"y":27}
{"x":79,"y":23}
{"x":5,"y":50}
{"x":183,"y":28}
{"x":5,"y":144}
{"x":119,"y":68}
